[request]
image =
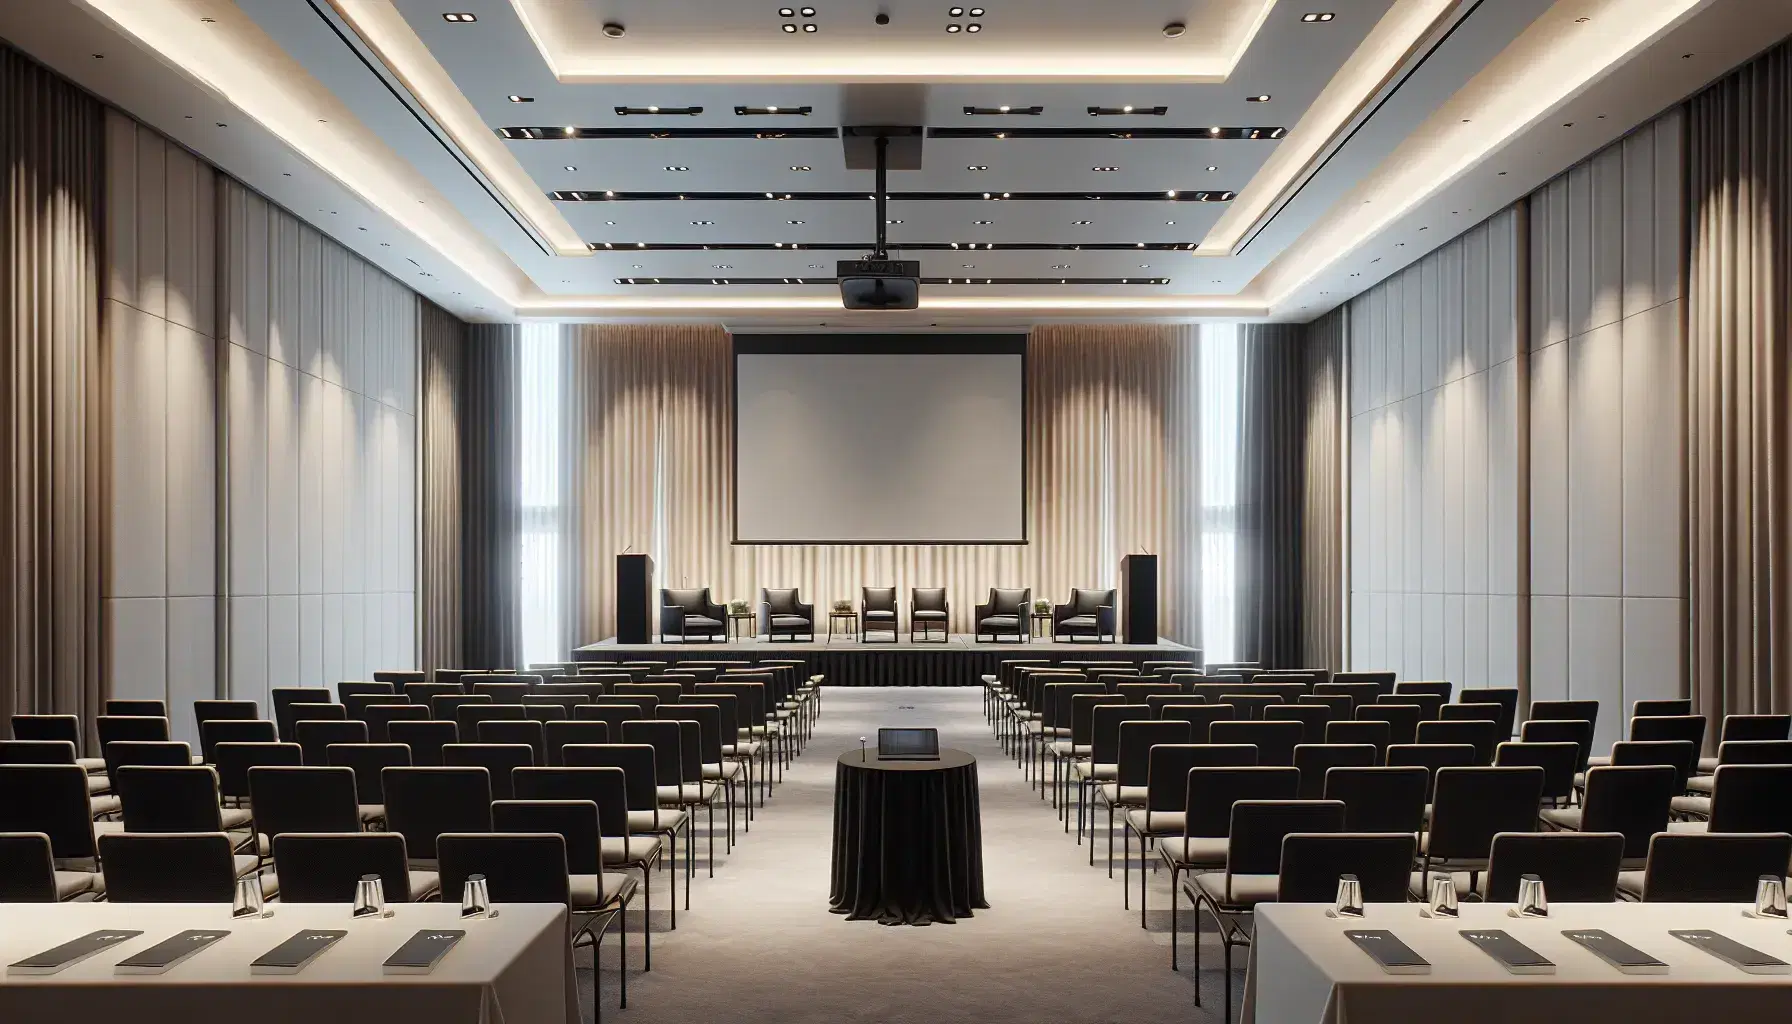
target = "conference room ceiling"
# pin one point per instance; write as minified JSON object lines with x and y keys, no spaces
{"x":1274,"y":160}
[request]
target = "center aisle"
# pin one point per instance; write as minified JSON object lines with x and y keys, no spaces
{"x":759,"y":944}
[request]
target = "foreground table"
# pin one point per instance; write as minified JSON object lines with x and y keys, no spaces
{"x":514,"y":969}
{"x":908,"y":839}
{"x":1303,"y":969}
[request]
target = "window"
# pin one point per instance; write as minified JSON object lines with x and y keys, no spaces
{"x":1221,"y":382}
{"x":540,"y":499}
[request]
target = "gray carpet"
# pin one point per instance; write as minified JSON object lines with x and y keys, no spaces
{"x":759,"y":944}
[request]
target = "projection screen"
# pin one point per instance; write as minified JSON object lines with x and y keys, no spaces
{"x":880,"y":439}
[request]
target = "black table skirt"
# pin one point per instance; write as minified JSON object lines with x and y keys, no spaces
{"x":908,"y":840}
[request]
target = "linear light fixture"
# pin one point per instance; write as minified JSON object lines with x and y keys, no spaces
{"x":628,"y":111}
{"x":936,"y":281}
{"x":1158,"y":196}
{"x":917,"y":246}
{"x":546,"y":133}
{"x":1129,"y":111}
{"x":803,"y":111}
{"x":1033,"y":111}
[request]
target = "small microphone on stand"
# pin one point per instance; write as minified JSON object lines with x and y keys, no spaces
{"x":861,"y":748}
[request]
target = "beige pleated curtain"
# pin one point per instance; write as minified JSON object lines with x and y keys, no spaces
{"x":1109,"y":407}
{"x":1739,"y":376}
{"x":52,"y":499}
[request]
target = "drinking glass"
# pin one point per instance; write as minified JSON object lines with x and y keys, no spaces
{"x":1770,"y":897}
{"x":1531,"y":900}
{"x":1350,"y":897}
{"x":1443,"y":895}
{"x":370,"y":897}
{"x":248,"y":900}
{"x":475,"y":898}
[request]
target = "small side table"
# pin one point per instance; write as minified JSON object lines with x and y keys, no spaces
{"x":851,"y":627}
{"x":742,"y":625}
{"x":1042,"y":624}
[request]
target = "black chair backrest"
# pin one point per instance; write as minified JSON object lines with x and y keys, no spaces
{"x":1430,"y":705}
{"x":1471,"y":805}
{"x":1565,"y":711}
{"x":1755,"y":727}
{"x":1343,"y":705}
{"x":235,"y":759}
{"x":284,"y":697}
{"x":646,"y":702}
{"x":169,"y":798}
{"x":310,"y":798}
{"x":1672,"y":707}
{"x":1275,"y":741}
{"x":1481,"y":734}
{"x":1313,"y":719}
{"x":27,"y":868}
{"x":1577,"y":731}
{"x":225,"y":711}
{"x":47,"y":727}
{"x":425,"y":738}
{"x":1376,"y":734}
{"x":426,"y":693}
{"x":558,"y":735}
{"x":124,"y":753}
{"x":1402,"y":719}
{"x":1379,"y":799}
{"x":1690,"y":728}
{"x":316,"y":736}
{"x":447,"y":706}
{"x":367,"y":761}
{"x":1751,"y":798}
{"x":528,"y":732}
{"x":1104,"y":736}
{"x":138,"y":708}
{"x":1558,"y":760}
{"x":1431,"y":757}
{"x":1360,"y":693}
{"x":379,"y":716}
{"x":227,"y":730}
{"x":358,"y":703}
{"x":423,"y":803}
{"x":1136,"y":740}
{"x":400,"y":676}
{"x":326,"y":867}
{"x":637,"y":762}
{"x":52,"y":799}
{"x":362,"y":689}
{"x":1200,"y":718}
{"x":37,"y":752}
{"x":1382,"y":678}
{"x":1754,"y":752}
{"x":1472,"y":713}
{"x":1714,"y":867}
{"x":1629,"y":799}
{"x":128,"y":729}
{"x":498,"y":759}
{"x":607,"y":788}
{"x":1167,"y":781}
{"x":195,"y":867}
{"x":1254,"y":844}
{"x":1313,"y":861}
{"x":468,"y":716}
{"x":1315,"y":759}
{"x":663,"y":737}
{"x":1432,"y":688}
{"x":1680,"y":755}
{"x":575,"y":821}
{"x":1250,"y":705}
{"x":1505,"y":696}
{"x":1213,"y":791}
{"x":501,"y":693}
{"x":1576,"y":867}
{"x":518,"y":867}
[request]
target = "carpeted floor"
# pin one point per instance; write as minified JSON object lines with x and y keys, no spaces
{"x":758,"y":943}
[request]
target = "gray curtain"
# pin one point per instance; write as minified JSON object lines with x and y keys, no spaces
{"x":1271,"y":493}
{"x":1739,"y":428}
{"x":489,"y":484}
{"x":1322,"y":522}
{"x":52,"y":500}
{"x":441,"y":337}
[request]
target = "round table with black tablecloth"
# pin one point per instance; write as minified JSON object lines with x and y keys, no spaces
{"x":908,"y":839}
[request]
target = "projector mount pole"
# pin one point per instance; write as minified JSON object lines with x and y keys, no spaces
{"x":883,"y":145}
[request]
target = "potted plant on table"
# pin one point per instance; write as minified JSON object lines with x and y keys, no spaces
{"x":738,"y":606}
{"x":842,"y":606}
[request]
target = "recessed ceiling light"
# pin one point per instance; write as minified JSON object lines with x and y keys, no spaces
{"x":976,"y":12}
{"x":514,"y":98}
{"x":1170,"y":222}
{"x":614,"y":29}
{"x":1212,"y":167}
{"x":976,"y":167}
{"x":956,"y":12}
{"x":968,"y":266}
{"x":610,"y":223}
{"x":788,"y":27}
{"x":570,"y":130}
{"x":676,"y":167}
{"x":983,"y":222}
{"x":1144,"y":266}
{"x":634,"y":266}
{"x":786,"y":12}
{"x":954,"y":28}
{"x":1104,"y":170}
{"x":1582,"y":21}
{"x":795,"y":222}
{"x":570,"y":167}
{"x":808,"y":12}
{"x":1318,"y":16}
{"x":744,"y":111}
{"x":1080,"y":222}
{"x":1175,"y":29}
{"x":896,"y":221}
{"x":723,"y":266}
{"x":702,"y":223}
{"x":459,"y":18}
{"x":809,"y":26}
{"x":1261,"y":98}
{"x":1060,"y":266}
{"x":973,"y":27}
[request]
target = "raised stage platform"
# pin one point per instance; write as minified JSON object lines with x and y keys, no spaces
{"x":957,"y":661}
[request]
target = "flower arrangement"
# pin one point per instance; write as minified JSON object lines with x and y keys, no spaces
{"x":1042,"y":606}
{"x":843,"y":605}
{"x":738,"y":606}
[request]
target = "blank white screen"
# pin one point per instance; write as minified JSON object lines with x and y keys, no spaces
{"x":879,"y":447}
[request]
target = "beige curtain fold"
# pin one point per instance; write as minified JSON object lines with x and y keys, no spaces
{"x":1322,"y":523}
{"x":441,"y":336}
{"x":1739,"y":430}
{"x":52,"y":500}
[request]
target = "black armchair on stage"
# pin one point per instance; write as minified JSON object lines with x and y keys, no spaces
{"x":689,"y":614}
{"x":928,"y":614}
{"x":1005,"y":615}
{"x":1089,"y":613}
{"x":783,"y":614}
{"x":877,"y":613}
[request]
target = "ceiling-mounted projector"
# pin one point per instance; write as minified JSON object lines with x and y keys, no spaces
{"x":879,"y":284}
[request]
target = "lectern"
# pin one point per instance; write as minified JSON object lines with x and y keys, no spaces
{"x":634,"y":599}
{"x":1138,"y":599}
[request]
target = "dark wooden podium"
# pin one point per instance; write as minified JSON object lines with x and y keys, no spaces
{"x":1138,"y":599}
{"x":635,"y":599}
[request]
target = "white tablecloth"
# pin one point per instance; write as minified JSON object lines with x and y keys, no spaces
{"x":1304,"y":971}
{"x":512,"y":969}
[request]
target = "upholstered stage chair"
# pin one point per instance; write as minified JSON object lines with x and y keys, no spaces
{"x":783,"y":614}
{"x":929,"y":613}
{"x":1005,"y":615}
{"x":877,"y":613}
{"x":1089,"y":613}
{"x":690,"y":613}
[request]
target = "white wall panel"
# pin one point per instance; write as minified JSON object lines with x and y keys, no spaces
{"x":1595,"y":468}
{"x":1549,"y":470}
{"x":138,"y":657}
{"x":1654,"y":407}
{"x":1596,"y":661}
{"x":192,"y":661}
{"x":192,"y":465}
{"x":139,"y":466}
